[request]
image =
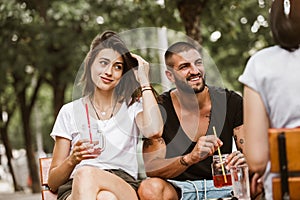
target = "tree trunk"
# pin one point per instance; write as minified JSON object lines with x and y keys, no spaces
{"x":31,"y":159}
{"x":26,"y":104}
{"x":190,"y":13}
{"x":59,"y":98}
{"x":9,"y":109}
{"x":58,"y":95}
{"x":8,"y":152}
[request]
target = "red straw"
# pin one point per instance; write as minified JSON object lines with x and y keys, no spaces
{"x":88,"y":119}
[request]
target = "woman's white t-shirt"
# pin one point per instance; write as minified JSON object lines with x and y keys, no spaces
{"x":274,"y":73}
{"x":120,"y":131}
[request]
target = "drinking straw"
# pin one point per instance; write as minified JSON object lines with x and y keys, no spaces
{"x":219,"y":151}
{"x":88,"y":119}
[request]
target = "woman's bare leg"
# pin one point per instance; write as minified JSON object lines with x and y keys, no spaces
{"x":89,"y":181}
{"x":105,"y":195}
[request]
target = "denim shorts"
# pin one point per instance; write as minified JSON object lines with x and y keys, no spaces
{"x":200,"y":189}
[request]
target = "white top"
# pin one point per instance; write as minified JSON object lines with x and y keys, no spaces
{"x":275,"y":74}
{"x":121,"y":134}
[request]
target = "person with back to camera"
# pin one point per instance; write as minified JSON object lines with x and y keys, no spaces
{"x":109,"y":107}
{"x":179,"y":163}
{"x":271,"y":90}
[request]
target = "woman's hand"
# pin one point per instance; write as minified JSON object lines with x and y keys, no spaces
{"x":83,"y":150}
{"x":235,"y":158}
{"x":256,"y":185}
{"x":142,"y":73}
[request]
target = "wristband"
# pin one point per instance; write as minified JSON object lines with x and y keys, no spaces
{"x":183,"y":162}
{"x":144,"y":88}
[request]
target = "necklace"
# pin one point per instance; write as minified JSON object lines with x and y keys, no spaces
{"x":96,"y":110}
{"x":103,"y":113}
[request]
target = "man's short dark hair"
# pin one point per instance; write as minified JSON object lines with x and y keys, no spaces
{"x":177,"y":48}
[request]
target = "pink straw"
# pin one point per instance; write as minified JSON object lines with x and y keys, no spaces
{"x":88,"y":119}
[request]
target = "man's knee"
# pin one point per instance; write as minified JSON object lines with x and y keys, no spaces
{"x":151,"y":188}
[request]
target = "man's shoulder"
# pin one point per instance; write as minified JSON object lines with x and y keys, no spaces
{"x":165,"y":97}
{"x":224,"y":90}
{"x":230,"y":94}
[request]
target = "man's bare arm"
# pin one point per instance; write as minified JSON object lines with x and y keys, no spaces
{"x":156,"y":164}
{"x":239,"y":137}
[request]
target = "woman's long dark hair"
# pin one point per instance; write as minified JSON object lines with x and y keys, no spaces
{"x":286,"y":27}
{"x":128,"y":84}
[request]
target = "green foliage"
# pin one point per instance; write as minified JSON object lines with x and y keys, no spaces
{"x":49,"y":40}
{"x":235,"y":20}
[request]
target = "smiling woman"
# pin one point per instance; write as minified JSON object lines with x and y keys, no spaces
{"x":94,"y":156}
{"x":107,"y":70}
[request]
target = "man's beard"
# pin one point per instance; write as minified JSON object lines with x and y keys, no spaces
{"x":183,"y":86}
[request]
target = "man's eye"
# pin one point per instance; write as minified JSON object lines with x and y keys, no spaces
{"x":198,"y":63}
{"x":183,"y":67}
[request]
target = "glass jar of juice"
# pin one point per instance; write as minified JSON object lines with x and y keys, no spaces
{"x":221,"y":175}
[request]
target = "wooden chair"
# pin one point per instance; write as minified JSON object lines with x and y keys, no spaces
{"x":285,"y":159}
{"x":44,"y":169}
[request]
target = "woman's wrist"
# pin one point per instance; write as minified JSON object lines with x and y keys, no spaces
{"x":73,"y":161}
{"x":146,"y":88}
{"x":145,"y":84}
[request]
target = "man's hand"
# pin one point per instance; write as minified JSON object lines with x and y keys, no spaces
{"x":206,"y":146}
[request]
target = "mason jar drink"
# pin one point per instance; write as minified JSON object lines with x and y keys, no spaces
{"x":221,"y":175}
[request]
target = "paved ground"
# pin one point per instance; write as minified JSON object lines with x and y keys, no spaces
{"x":7,"y":193}
{"x":20,"y":196}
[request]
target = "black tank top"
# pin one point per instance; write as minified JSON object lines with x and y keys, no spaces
{"x":226,"y":114}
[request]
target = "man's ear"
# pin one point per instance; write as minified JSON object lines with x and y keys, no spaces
{"x":170,"y":76}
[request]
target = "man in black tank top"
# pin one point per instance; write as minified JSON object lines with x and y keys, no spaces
{"x":180,"y":161}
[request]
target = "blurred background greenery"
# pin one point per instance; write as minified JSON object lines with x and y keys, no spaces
{"x":43,"y":43}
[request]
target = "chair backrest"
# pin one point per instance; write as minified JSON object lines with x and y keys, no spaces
{"x":44,"y":170}
{"x":285,"y":159}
